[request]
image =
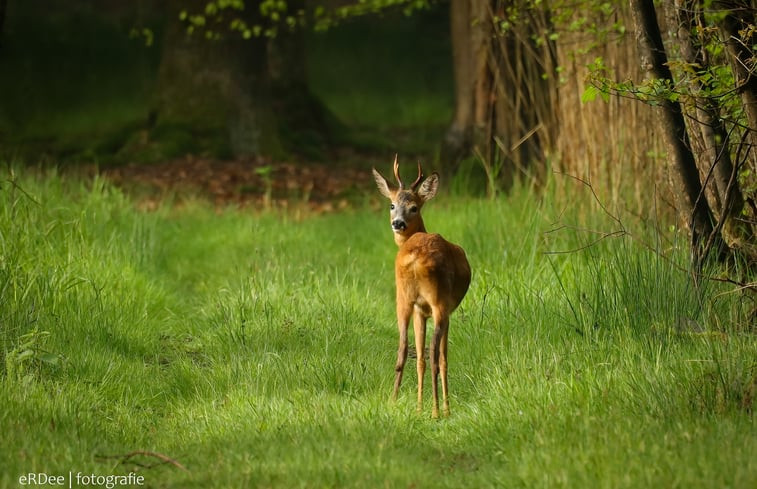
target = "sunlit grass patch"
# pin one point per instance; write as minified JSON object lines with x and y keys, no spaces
{"x":258,"y":350}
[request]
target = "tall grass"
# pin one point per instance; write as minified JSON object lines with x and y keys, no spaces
{"x":258,"y":350}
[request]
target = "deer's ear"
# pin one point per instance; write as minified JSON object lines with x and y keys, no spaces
{"x":428,"y":188}
{"x":382,"y":184}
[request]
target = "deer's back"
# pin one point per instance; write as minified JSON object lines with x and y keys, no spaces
{"x":431,"y":270}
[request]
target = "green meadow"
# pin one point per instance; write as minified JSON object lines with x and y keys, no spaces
{"x":199,"y":347}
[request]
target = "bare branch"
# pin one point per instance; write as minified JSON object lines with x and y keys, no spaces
{"x":136,"y":453}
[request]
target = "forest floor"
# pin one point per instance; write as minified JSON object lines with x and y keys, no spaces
{"x":254,"y":182}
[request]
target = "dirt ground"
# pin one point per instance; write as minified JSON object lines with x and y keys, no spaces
{"x":255,"y":183}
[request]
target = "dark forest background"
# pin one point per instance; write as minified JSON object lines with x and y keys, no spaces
{"x":88,"y":81}
{"x":623,"y":96}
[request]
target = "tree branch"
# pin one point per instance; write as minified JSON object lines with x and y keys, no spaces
{"x":163,"y":458}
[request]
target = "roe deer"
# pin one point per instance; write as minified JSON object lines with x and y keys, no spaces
{"x":432,"y":276}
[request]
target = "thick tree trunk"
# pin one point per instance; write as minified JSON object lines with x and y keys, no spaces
{"x":304,"y":123}
{"x":236,"y":97}
{"x":692,"y":206}
{"x":214,"y":92}
{"x":468,"y":27}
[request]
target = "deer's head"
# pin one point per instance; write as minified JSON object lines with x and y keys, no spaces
{"x":406,"y":202}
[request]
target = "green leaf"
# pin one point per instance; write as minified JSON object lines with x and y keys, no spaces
{"x":49,"y":358}
{"x":20,"y":357}
{"x":149,"y":36}
{"x":590,"y":94}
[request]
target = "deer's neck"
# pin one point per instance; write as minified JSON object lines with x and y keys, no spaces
{"x":400,"y":238}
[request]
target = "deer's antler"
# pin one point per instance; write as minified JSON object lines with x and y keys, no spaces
{"x":397,"y":171}
{"x":419,"y":179}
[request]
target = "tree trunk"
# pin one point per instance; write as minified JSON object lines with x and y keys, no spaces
{"x":738,"y":29}
{"x":504,"y":108}
{"x":3,"y":10}
{"x":304,"y":123}
{"x":714,"y":157}
{"x":234,"y":97}
{"x":469,"y":45}
{"x":213,"y":95}
{"x":692,"y":206}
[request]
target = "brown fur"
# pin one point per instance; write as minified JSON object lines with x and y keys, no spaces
{"x":432,"y":276}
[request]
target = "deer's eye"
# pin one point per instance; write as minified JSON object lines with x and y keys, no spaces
{"x":414,"y":209}
{"x":391,"y":206}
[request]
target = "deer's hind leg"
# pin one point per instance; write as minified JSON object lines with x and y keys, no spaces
{"x":443,"y":371}
{"x":419,"y":330}
{"x":439,"y":349}
{"x":403,"y":321}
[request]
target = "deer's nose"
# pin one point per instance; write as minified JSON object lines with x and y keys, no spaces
{"x":399,"y":225}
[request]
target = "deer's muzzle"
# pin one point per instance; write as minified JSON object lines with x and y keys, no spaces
{"x":398,"y":225}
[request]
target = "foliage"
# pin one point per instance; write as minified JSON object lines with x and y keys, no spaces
{"x":694,"y":81}
{"x":257,"y":349}
{"x":596,"y":21}
{"x":29,"y":355}
{"x":532,"y":48}
{"x":220,"y":17}
{"x":706,"y":81}
{"x":706,"y":77}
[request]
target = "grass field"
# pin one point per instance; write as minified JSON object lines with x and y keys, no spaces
{"x":257,"y":350}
